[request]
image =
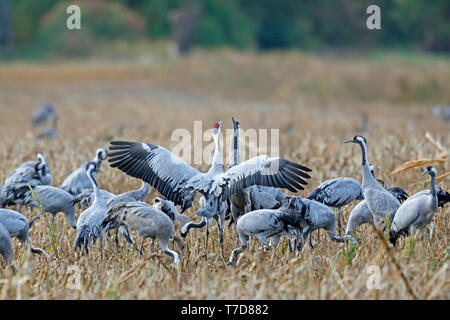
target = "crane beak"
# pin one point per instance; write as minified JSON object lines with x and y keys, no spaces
{"x":347,"y":141}
{"x":424,"y":173}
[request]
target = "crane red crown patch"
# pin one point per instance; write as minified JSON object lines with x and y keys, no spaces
{"x":216,"y":125}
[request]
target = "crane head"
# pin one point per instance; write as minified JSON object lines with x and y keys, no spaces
{"x":357,"y":139}
{"x":430,"y":170}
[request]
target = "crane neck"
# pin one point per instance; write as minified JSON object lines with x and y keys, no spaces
{"x":367,"y":173}
{"x":217,"y":158}
{"x":235,"y":154}
{"x":97,"y":192}
{"x":432,"y":187}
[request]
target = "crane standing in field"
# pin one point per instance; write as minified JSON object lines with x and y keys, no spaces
{"x":6,"y":249}
{"x":361,"y":213}
{"x":53,"y":200}
{"x":31,"y":172}
{"x":145,"y":220}
{"x":77,"y":181}
{"x":253,"y":197}
{"x":382,"y":204}
{"x":129,"y":196}
{"x":264,"y":224}
{"x":417,"y":211}
{"x":179,"y":182}
{"x":337,"y":193}
{"x":89,"y":222}
{"x":18,"y":226}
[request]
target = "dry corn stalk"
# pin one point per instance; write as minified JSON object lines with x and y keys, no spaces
{"x":415,"y":163}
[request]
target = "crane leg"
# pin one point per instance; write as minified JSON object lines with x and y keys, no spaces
{"x":339,"y":220}
{"x":142,"y":247}
{"x":206,"y":240}
{"x":117,"y":239}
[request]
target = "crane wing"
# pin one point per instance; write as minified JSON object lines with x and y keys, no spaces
{"x":157,"y":166}
{"x":262,"y":170}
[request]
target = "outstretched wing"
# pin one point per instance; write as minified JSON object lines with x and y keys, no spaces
{"x":157,"y":166}
{"x":263,"y":170}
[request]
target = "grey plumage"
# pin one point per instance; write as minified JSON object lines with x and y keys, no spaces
{"x":43,"y":114}
{"x":147,"y":221}
{"x":86,"y":197}
{"x":90,"y":220}
{"x":18,"y":227}
{"x":31,"y":172}
{"x":178,"y":181}
{"x":6,"y":249}
{"x":416,"y":212}
{"x":337,"y":193}
{"x":78,"y":181}
{"x":361,"y":213}
{"x":53,"y":200}
{"x":129,"y":196}
{"x":382,"y":204}
{"x":263,"y":224}
{"x":50,"y":133}
{"x":314,"y":215}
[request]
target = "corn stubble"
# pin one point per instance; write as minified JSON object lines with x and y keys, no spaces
{"x":93,"y":102}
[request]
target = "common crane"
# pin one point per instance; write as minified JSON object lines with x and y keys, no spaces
{"x":145,"y":220}
{"x":264,"y":224}
{"x":129,"y":196}
{"x":6,"y":249}
{"x":53,"y":200}
{"x":361,"y":213}
{"x":90,"y":220}
{"x":382,"y":204}
{"x":178,"y":181}
{"x":18,"y":226}
{"x":416,"y":212}
{"x":31,"y":172}
{"x":314,"y":215}
{"x":43,"y":114}
{"x":78,"y":181}
{"x":337,"y":193}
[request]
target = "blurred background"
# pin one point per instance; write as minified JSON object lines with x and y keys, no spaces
{"x":33,"y":29}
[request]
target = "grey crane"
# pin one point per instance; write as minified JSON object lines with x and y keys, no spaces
{"x":382,"y":204}
{"x":53,"y":200}
{"x":87,"y":196}
{"x":50,"y":133}
{"x":31,"y":172}
{"x":43,"y":114}
{"x":179,"y":182}
{"x":18,"y":226}
{"x":264,"y":224}
{"x":253,"y":197}
{"x":129,"y":196}
{"x":147,"y":221}
{"x":90,"y":220}
{"x":417,"y":211}
{"x":6,"y":249}
{"x":314,"y":215}
{"x":77,"y":181}
{"x":361,"y":213}
{"x":337,"y":193}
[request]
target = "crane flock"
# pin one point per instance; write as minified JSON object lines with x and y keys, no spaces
{"x":248,"y":193}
